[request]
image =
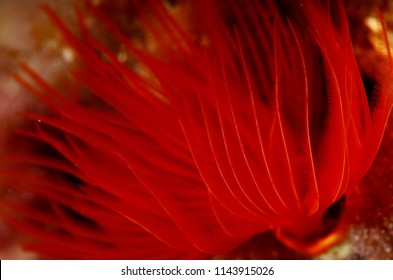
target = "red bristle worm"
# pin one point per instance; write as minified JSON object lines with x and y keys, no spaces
{"x":257,"y":121}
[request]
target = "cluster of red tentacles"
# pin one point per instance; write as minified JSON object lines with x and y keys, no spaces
{"x":258,"y":121}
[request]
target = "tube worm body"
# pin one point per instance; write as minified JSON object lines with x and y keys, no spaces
{"x":255,"y":120}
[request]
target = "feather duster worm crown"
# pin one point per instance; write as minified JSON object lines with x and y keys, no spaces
{"x":253,"y":118}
